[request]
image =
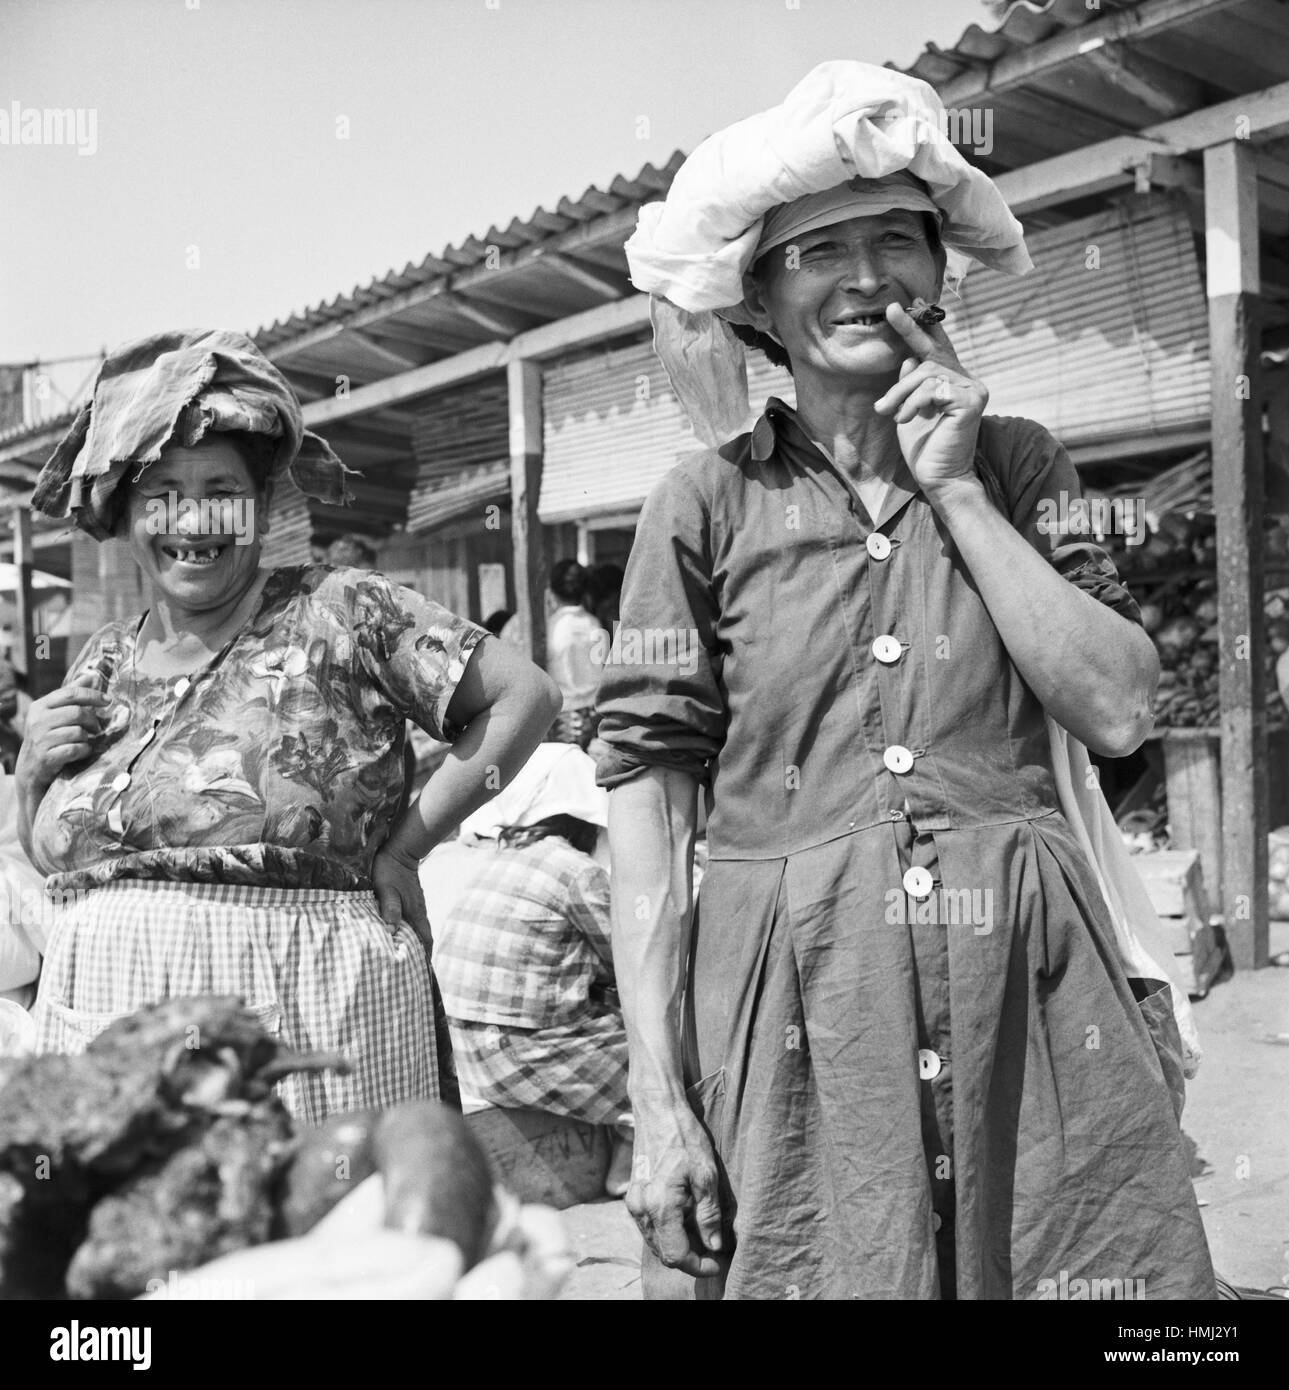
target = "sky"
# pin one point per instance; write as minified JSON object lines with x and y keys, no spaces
{"x":246,"y":159}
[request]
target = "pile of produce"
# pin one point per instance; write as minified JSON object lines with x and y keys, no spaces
{"x":164,"y":1146}
{"x":1173,"y":578}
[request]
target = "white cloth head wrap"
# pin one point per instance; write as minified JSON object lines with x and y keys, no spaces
{"x":558,"y":780}
{"x":844,"y":120}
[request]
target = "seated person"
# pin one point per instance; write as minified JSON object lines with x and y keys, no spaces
{"x":524,"y":959}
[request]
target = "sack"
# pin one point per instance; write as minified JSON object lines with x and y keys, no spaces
{"x":1143,"y":949}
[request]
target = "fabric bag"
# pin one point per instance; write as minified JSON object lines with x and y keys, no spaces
{"x":1144,"y":951}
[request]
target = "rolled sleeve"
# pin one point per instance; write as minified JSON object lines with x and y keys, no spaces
{"x":414,"y":649}
{"x":1043,"y":483}
{"x":660,"y":699}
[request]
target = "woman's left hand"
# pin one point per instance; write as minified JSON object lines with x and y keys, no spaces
{"x":396,"y":881}
{"x":936,"y":404}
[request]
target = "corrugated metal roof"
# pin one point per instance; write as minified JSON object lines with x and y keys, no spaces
{"x":518,"y":236}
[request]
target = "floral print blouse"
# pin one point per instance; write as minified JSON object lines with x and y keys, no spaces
{"x":280,"y":763}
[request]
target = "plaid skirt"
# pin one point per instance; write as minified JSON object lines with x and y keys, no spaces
{"x":319,"y":968}
{"x":577,"y":1069}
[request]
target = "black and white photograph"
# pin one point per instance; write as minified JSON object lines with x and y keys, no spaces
{"x":644,"y":649}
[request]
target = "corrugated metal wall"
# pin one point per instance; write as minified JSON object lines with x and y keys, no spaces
{"x":446,"y":568}
{"x":290,"y":528}
{"x":1106,"y":338}
{"x":1115,"y":351}
{"x":613,"y":427}
{"x":459,"y":434}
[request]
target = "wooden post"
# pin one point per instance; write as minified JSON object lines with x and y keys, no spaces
{"x":1234,"y":290}
{"x":24,"y":647}
{"x":524,"y":381}
{"x":1193,"y":778}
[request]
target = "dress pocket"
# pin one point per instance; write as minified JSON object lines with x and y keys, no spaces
{"x":1155,"y":1002}
{"x":707,"y":1100}
{"x":72,"y":1030}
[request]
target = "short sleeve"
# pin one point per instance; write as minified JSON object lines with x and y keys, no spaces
{"x":660,"y":699}
{"x":1044,"y":494}
{"x":414,"y":649}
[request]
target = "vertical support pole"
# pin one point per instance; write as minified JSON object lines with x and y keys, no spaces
{"x":24,"y":599}
{"x":524,"y":384}
{"x":1234,"y":291}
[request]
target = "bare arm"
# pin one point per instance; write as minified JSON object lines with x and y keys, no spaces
{"x":506,"y":704}
{"x":651,"y":839}
{"x":59,"y":727}
{"x":1093,"y":670}
{"x":651,"y":836}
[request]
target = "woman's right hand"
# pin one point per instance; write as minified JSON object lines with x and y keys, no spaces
{"x":59,"y":728}
{"x":673,"y":1192}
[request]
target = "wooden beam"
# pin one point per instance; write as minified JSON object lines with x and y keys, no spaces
{"x":492,"y":317}
{"x":600,"y":282}
{"x":1094,"y":169}
{"x":524,"y":381}
{"x":1231,"y":207}
{"x":605,"y":321}
{"x":1041,"y":60}
{"x":24,"y":647}
{"x":382,"y":350}
{"x":1158,"y":88}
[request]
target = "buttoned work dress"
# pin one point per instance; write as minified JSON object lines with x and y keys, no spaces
{"x":908,"y":1034}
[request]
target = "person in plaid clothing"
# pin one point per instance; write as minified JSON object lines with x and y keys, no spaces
{"x":524,"y":960}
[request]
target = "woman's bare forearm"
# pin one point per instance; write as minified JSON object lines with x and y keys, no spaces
{"x":1093,"y":670}
{"x":29,"y":798}
{"x":507,"y":704}
{"x":652,"y":821}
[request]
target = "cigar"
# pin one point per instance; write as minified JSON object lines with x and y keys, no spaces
{"x":924,"y":314}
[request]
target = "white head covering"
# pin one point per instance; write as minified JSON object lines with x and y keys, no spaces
{"x":558,"y":780}
{"x":845,"y":121}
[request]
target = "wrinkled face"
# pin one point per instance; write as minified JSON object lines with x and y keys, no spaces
{"x":193,"y":522}
{"x":824,"y":295}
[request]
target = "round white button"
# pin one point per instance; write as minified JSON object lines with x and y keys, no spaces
{"x":936,"y":1223}
{"x":929,"y":1064}
{"x":877,"y":545}
{"x":898,"y":758}
{"x":120,"y":781}
{"x":181,"y":686}
{"x":887,"y":649}
{"x":918,"y":882}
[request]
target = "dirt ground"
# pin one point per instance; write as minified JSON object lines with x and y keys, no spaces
{"x":1237,"y":1122}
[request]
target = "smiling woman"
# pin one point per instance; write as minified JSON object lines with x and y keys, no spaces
{"x":217,"y":783}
